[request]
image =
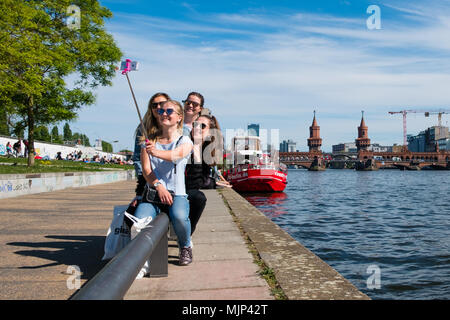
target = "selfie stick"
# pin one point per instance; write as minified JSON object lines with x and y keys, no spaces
{"x":125,"y":72}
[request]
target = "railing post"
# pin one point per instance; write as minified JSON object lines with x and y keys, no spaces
{"x":114,"y":280}
{"x":158,"y":260}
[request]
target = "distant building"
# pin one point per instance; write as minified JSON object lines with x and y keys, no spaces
{"x":397,"y":148}
{"x":348,"y":147}
{"x":417,"y":143}
{"x":444,"y":144}
{"x":288,"y":146}
{"x":375,"y":147}
{"x":98,"y":144}
{"x":428,"y":140}
{"x":314,"y":140}
{"x":253,"y":129}
{"x":363,"y":141}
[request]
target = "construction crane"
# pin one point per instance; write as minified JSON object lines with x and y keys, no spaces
{"x":427,"y":113}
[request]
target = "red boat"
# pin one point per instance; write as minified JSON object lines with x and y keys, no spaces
{"x":253,"y":170}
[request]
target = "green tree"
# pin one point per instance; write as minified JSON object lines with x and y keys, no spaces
{"x":56,"y":138}
{"x":4,"y":128}
{"x":38,"y":51}
{"x":67,"y":132}
{"x":106,"y":146}
{"x":41,"y":133}
{"x":85,"y":140}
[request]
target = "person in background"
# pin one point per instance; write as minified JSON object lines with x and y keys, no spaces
{"x":207,"y":152}
{"x":18,"y":147}
{"x":193,"y":108}
{"x":220,"y":180}
{"x":25,"y":143}
{"x":163,"y":163}
{"x":8,"y":149}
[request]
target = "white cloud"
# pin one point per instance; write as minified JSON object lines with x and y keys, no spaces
{"x":278,"y":77}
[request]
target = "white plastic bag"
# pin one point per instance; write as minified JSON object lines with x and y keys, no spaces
{"x":118,"y":235}
{"x":138,"y":225}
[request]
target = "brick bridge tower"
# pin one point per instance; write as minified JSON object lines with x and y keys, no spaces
{"x":363,"y":141}
{"x":314,"y":141}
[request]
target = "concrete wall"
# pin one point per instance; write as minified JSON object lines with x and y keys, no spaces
{"x":14,"y":185}
{"x":44,"y":149}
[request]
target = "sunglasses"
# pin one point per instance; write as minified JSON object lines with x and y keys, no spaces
{"x":192,"y":103}
{"x":169,"y":111}
{"x":198,"y":124}
{"x":154,"y":105}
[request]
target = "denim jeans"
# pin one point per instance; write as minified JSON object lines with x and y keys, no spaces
{"x":178,"y":214}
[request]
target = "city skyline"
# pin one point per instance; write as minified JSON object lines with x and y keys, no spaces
{"x":273,"y":63}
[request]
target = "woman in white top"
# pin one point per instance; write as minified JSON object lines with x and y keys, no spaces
{"x":163,"y":166}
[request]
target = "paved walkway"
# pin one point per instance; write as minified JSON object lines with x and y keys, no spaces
{"x":42,"y":234}
{"x":222,"y":269}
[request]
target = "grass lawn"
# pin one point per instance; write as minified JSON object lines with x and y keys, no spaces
{"x":19,"y":165}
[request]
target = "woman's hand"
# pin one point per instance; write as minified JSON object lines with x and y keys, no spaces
{"x":150,"y":147}
{"x":164,"y":195}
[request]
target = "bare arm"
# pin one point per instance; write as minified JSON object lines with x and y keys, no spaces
{"x":174,"y":155}
{"x":150,"y":177}
{"x":147,"y":172}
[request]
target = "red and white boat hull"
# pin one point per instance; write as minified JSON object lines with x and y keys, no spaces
{"x":258,"y":180}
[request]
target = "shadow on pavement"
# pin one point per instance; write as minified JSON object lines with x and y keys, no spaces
{"x":85,"y":252}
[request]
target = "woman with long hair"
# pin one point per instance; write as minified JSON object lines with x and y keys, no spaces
{"x":193,"y":106}
{"x":150,"y":117}
{"x":207,"y":153}
{"x":163,"y":165}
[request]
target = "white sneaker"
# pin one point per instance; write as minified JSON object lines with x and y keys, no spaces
{"x":140,"y":275}
{"x":145,"y":271}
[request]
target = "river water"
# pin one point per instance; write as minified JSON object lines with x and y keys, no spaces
{"x":386,"y":231}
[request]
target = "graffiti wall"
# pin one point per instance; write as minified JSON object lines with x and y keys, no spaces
{"x":50,"y":150}
{"x":14,"y":185}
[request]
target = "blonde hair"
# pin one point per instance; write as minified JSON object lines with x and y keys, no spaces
{"x":152,"y":126}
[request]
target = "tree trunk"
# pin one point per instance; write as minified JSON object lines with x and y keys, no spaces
{"x":30,"y":132}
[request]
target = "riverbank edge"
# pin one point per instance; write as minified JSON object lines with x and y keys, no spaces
{"x":15,"y":185}
{"x":299,"y":273}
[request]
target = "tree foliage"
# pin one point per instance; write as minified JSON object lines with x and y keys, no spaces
{"x":67,"y":132}
{"x":38,"y":53}
{"x":4,"y":128}
{"x":41,"y":133}
{"x":106,"y":146}
{"x":56,"y":138}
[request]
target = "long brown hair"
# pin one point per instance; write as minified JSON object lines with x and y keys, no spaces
{"x":149,"y":120}
{"x":216,"y":139}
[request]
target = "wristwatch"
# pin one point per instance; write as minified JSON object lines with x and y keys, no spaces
{"x":156,"y":184}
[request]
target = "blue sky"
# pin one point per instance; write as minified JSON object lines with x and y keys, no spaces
{"x":275,"y":62}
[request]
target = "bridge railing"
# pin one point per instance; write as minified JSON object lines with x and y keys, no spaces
{"x":114,"y":280}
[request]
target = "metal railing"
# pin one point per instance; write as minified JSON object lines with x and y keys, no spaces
{"x":114,"y":280}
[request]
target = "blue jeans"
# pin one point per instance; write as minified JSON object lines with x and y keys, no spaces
{"x":178,"y":214}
